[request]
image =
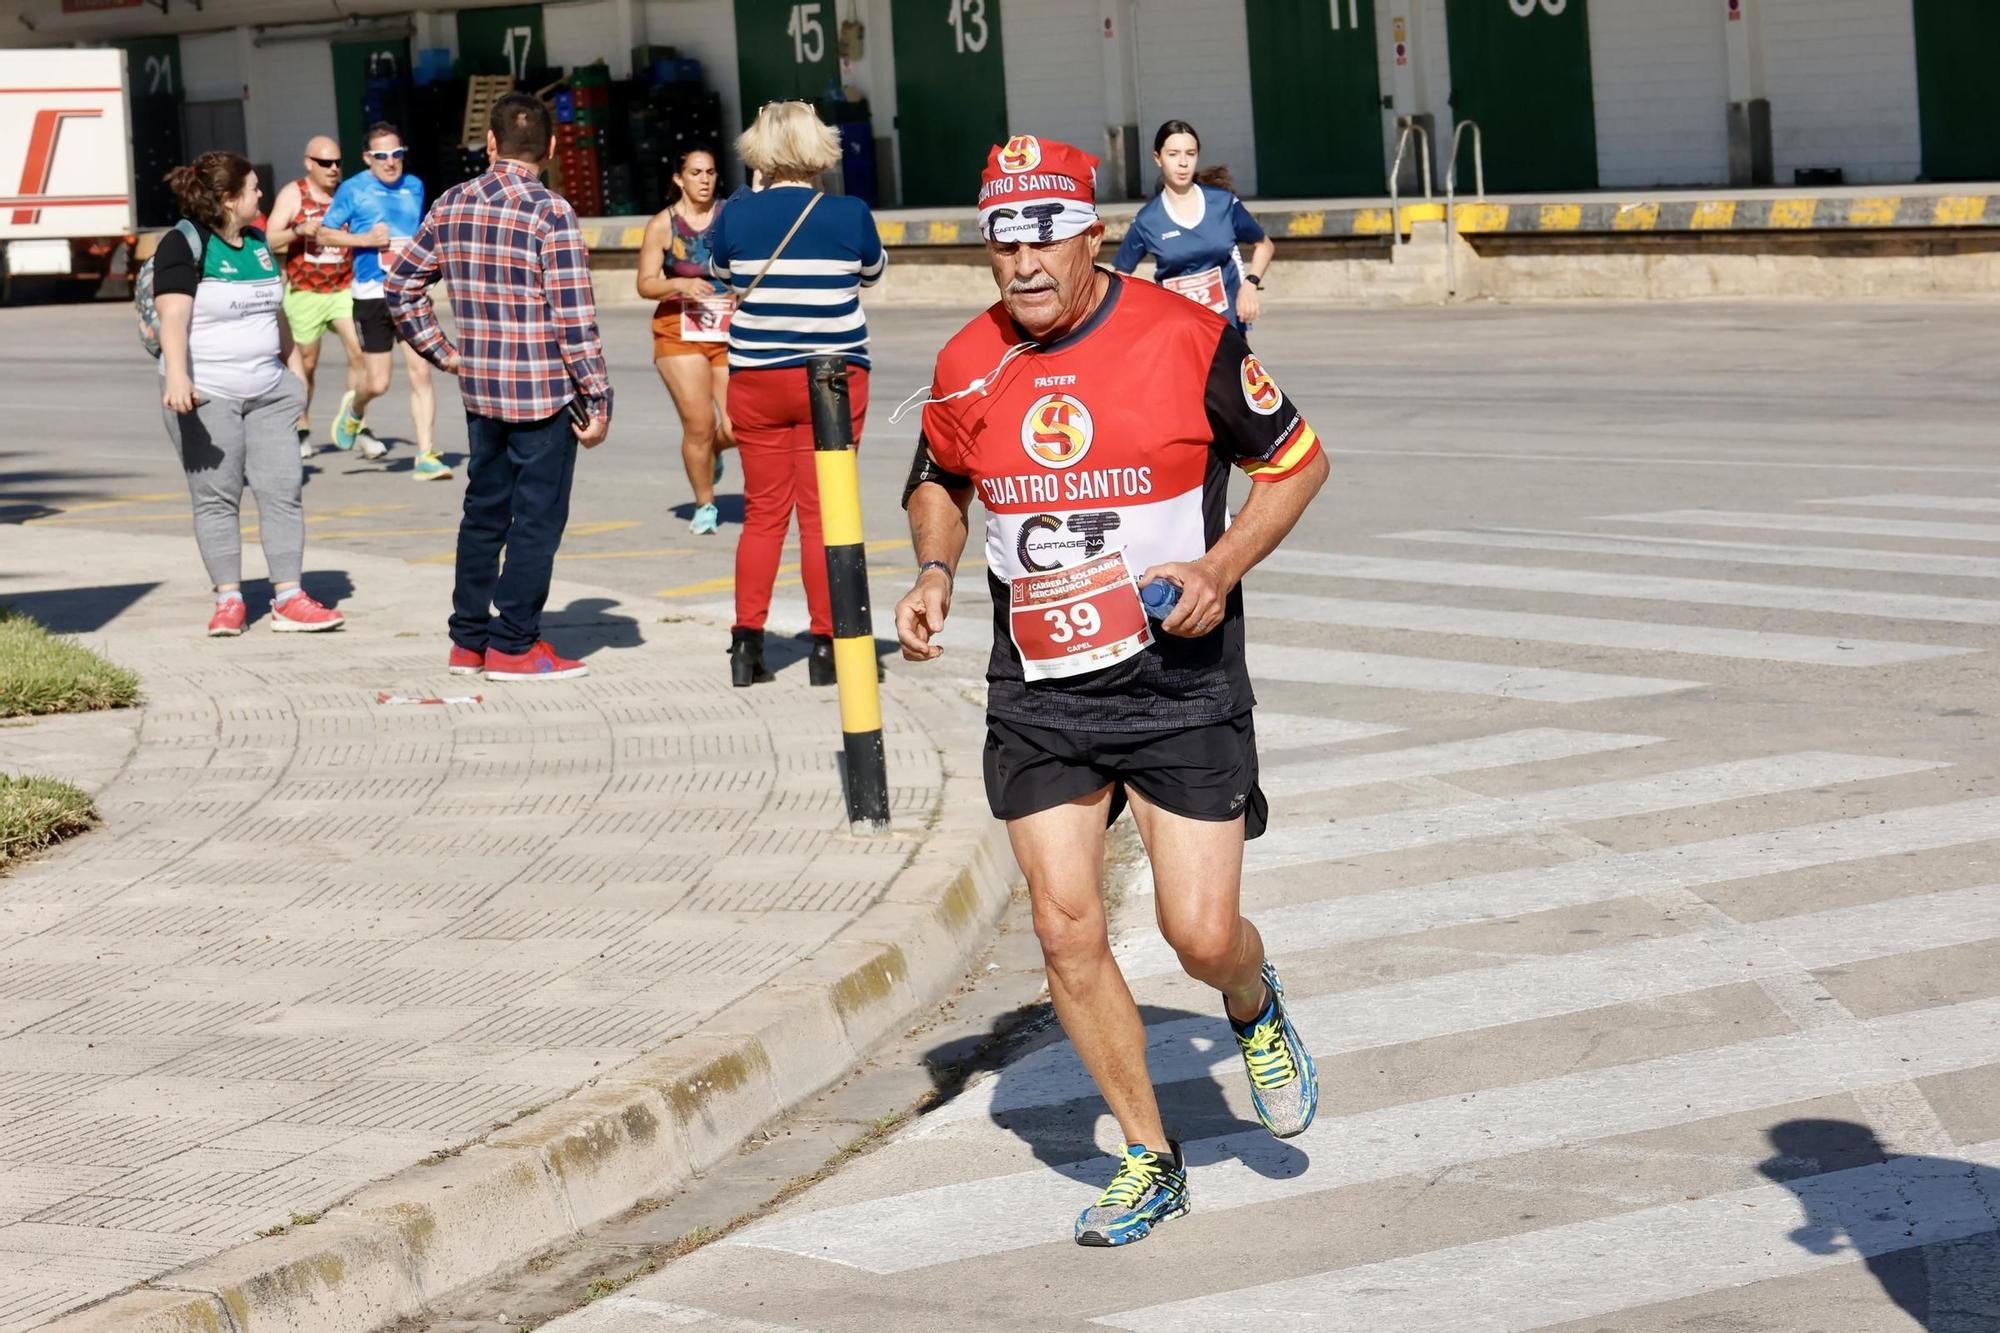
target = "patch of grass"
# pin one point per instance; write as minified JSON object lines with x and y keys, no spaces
{"x":37,"y":813}
{"x":44,"y":673}
{"x":304,"y":1219}
{"x":269,"y":1232}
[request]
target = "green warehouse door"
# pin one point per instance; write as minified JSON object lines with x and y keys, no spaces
{"x":1315,"y":97}
{"x":951,"y":96}
{"x":507,"y":40}
{"x":786,"y":50}
{"x":1958,"y":47}
{"x":351,"y":61}
{"x":1521,"y":68}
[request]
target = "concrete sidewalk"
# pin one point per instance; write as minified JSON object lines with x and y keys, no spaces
{"x":602,"y":928}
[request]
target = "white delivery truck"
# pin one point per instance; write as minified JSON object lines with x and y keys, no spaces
{"x":65,"y":169}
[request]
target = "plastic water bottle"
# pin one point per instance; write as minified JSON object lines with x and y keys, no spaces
{"x":1160,"y":597}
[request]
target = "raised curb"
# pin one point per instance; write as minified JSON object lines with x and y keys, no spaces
{"x":642,"y":1130}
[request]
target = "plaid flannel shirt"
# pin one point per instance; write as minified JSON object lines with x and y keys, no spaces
{"x":519,"y":275}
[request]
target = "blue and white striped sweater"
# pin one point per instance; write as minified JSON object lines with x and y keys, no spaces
{"x":810,"y":303}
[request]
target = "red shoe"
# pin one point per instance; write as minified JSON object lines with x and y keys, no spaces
{"x":302,"y":615}
{"x":227,"y":622}
{"x":538,"y":663}
{"x":465,"y":662}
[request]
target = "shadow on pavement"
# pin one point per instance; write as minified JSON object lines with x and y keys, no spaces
{"x":31,"y":493}
{"x":1062,"y":1133}
{"x":589,"y":626}
{"x":1951,"y":1285}
{"x":76,"y":610}
{"x":729,"y":508}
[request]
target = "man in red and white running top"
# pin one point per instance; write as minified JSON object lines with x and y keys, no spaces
{"x":1096,"y":419}
{"x":318,"y":278}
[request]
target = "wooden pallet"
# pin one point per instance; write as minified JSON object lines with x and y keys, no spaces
{"x":481,"y":93}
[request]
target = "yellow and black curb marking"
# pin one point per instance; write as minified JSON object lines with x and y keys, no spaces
{"x":847,"y":582}
{"x":1884,"y":212}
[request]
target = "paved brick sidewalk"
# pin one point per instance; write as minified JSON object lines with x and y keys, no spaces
{"x":321,"y":938}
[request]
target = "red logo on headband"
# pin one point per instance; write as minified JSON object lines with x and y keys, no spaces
{"x":1022,"y":153}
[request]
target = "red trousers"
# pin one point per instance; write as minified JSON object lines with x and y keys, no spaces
{"x":774,"y":438}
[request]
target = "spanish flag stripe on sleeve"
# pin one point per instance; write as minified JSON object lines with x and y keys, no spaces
{"x":1287,"y":459}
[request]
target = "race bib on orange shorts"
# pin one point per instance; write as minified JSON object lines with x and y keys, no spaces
{"x":1083,"y":618}
{"x":1203,"y":288}
{"x":707,"y":320}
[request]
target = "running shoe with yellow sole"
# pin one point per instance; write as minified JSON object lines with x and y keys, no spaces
{"x":1284,"y":1083}
{"x":1149,"y":1188}
{"x":430,"y":467}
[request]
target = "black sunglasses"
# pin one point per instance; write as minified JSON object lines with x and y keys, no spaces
{"x":330,"y":163}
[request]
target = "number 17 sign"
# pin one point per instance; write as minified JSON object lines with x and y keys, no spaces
{"x":1083,"y":618}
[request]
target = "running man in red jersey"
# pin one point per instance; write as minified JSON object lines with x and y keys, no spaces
{"x":1097,"y":418}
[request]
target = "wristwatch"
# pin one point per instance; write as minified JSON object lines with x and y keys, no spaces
{"x":934,"y":564}
{"x":1254,"y":279}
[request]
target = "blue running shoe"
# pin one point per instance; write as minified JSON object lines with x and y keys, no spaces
{"x":1148,"y":1189}
{"x":717,"y":479}
{"x":1283,"y":1082}
{"x":705,"y":521}
{"x":346,"y":426}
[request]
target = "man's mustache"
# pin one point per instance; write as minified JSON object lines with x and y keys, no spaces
{"x":1041,"y":282}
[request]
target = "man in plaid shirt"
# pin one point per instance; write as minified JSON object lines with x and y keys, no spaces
{"x":519,"y":275}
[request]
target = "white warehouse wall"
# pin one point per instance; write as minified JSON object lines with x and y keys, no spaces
{"x":212,"y":67}
{"x":583,"y":34}
{"x":1194,"y":65}
{"x":292,"y":90}
{"x":1842,"y":79}
{"x":1055,"y":71}
{"x":1660,"y":70}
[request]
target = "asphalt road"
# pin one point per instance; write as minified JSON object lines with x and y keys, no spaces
{"x":1628,"y":703}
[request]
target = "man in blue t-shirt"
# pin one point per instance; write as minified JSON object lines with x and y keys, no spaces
{"x":375,"y":214}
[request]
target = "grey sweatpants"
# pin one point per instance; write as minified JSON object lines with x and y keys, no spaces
{"x":223,"y":443}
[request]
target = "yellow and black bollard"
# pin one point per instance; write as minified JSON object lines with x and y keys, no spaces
{"x":854,"y":661}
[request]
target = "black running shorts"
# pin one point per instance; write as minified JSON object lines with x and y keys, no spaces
{"x":1206,"y":772}
{"x":373,"y":325}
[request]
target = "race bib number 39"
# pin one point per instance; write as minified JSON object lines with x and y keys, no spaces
{"x":1076,"y":620}
{"x":1203,"y":288}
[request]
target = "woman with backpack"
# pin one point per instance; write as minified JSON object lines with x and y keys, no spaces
{"x":229,"y":400}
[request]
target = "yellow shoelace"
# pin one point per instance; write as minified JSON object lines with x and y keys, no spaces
{"x":1270,"y":1060}
{"x":1134,"y":1178}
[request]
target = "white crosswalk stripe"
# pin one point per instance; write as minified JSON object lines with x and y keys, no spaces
{"x":635,"y":1314}
{"x":1640,"y":587}
{"x":1496,"y":816}
{"x":1296,"y":731}
{"x":1711,"y":551}
{"x":1609,"y":1265}
{"x":1970,"y":504}
{"x":1502,"y":894}
{"x":1630,"y":635}
{"x":1927,"y":529}
{"x":1000,"y":1213}
{"x":1539,"y":745}
{"x":1534,"y":988}
{"x":1383,"y":671}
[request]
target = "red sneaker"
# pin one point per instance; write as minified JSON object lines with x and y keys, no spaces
{"x":302,"y":615}
{"x":227,"y":622}
{"x":538,"y":663}
{"x":465,"y":662}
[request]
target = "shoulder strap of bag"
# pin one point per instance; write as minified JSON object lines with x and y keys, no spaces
{"x":197,"y":240}
{"x":765,"y":271}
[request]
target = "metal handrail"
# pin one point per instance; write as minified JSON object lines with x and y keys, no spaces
{"x":1451,"y":197}
{"x":1396,"y":175}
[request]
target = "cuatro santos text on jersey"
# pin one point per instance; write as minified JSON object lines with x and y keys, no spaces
{"x":1096,"y":457}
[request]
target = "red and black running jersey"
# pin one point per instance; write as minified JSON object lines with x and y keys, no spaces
{"x":309,"y":266}
{"x":1116,"y":438}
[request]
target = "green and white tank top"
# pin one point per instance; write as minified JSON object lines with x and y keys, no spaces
{"x":238,"y":299}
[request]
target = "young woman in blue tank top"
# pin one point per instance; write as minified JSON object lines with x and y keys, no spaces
{"x":1195,"y":228}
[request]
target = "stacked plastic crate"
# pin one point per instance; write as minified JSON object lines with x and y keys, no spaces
{"x":582,"y":113}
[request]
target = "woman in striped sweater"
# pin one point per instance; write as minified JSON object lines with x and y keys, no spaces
{"x":797,"y":260}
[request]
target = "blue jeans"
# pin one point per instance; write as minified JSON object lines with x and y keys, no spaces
{"x":517,"y":501}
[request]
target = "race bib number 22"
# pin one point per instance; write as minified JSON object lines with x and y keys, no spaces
{"x":1071,"y":621}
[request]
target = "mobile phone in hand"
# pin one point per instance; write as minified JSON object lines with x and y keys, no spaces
{"x":579,"y":414}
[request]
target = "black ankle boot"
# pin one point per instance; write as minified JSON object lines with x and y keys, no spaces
{"x":746,"y":658}
{"x":819,"y":666}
